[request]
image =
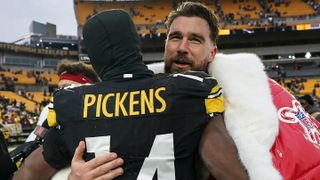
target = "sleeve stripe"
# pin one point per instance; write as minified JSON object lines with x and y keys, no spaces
{"x":189,"y":76}
{"x":210,"y":77}
{"x":51,"y":118}
{"x":215,"y":89}
{"x":217,"y":94}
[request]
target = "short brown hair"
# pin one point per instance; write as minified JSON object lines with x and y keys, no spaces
{"x":77,"y":67}
{"x":196,"y":9}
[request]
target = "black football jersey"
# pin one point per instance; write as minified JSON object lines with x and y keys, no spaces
{"x":154,"y":124}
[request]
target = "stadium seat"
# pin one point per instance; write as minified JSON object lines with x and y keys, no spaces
{"x":11,"y":95}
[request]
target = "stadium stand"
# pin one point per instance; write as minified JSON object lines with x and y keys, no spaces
{"x":39,"y":97}
{"x":236,"y":14}
{"x":237,"y":10}
{"x":21,"y":77}
{"x":84,"y":10}
{"x":290,"y":8}
{"x":25,"y":69}
{"x":151,"y":13}
{"x":52,"y":78}
{"x":29,"y":77}
{"x":30,"y":105}
{"x":309,"y":86}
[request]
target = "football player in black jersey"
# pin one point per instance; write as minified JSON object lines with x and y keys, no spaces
{"x":70,"y":73}
{"x":153,"y":122}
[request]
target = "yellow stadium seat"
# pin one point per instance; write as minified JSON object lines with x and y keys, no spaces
{"x":39,"y":96}
{"x":13,"y":96}
{"x":51,"y":77}
{"x":21,"y":78}
{"x":309,"y":86}
{"x":229,"y":7}
{"x":295,"y":8}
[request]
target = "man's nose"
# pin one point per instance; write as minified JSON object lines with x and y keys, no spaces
{"x":183,"y":47}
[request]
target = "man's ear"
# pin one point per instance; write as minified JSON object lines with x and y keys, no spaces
{"x":213,"y":53}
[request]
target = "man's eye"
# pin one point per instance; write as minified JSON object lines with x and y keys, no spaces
{"x":174,"y":37}
{"x":195,"y":41}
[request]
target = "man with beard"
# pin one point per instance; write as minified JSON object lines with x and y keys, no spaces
{"x":256,"y":108}
{"x":136,"y":114}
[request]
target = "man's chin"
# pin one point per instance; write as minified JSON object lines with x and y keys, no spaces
{"x":180,"y":69}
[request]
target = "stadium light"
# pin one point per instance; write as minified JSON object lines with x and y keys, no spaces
{"x":308,"y":55}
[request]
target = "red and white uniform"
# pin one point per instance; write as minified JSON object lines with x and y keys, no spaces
{"x":276,"y":138}
{"x":296,"y":150}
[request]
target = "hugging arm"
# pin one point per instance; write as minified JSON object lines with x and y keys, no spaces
{"x":219,"y":152}
{"x":35,"y":167}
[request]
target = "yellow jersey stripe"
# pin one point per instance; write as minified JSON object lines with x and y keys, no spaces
{"x":215,"y":89}
{"x":214,"y":105}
